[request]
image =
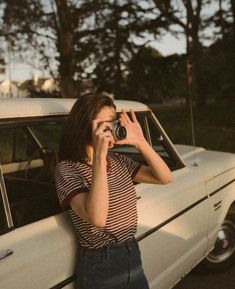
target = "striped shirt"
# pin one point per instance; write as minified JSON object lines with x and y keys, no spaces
{"x":73,"y":178}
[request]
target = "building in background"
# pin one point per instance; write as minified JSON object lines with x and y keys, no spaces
{"x":12,"y":89}
{"x":37,"y":86}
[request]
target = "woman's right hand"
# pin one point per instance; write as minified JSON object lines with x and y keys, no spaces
{"x":102,"y":137}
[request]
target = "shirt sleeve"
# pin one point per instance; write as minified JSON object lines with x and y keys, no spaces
{"x":132,"y":165}
{"x":69,"y":183}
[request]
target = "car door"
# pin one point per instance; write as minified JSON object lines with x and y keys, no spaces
{"x":173,"y":218}
{"x":37,"y":242}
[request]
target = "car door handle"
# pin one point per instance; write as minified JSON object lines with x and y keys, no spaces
{"x":5,"y":253}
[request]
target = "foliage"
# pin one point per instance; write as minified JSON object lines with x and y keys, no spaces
{"x":214,"y":125}
{"x":105,"y":41}
{"x":76,"y":40}
{"x":153,"y":78}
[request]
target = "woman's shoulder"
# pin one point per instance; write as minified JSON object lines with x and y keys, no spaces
{"x":117,"y":155}
{"x":68,"y":166}
{"x":114,"y":155}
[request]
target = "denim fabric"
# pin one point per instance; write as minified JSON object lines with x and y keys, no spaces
{"x":111,"y":267}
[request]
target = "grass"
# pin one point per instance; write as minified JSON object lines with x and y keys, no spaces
{"x":214,"y":125}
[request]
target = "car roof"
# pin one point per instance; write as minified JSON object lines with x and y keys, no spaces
{"x":33,"y":107}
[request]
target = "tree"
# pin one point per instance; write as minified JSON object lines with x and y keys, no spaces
{"x":92,"y":38}
{"x":2,"y":60}
{"x":118,"y":25}
{"x":219,"y":64}
{"x":187,"y":15}
{"x":154,"y":78}
{"x":42,"y":31}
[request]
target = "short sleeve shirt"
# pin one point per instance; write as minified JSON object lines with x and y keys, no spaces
{"x":73,"y":178}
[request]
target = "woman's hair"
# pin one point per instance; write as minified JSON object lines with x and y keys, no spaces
{"x":77,"y":131}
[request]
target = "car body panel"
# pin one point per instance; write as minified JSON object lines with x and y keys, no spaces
{"x":45,"y":248}
{"x":169,"y":210}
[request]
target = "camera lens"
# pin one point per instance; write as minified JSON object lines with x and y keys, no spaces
{"x":121,"y":132}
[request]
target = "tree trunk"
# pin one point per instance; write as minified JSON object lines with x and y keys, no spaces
{"x":233,"y":11}
{"x":195,"y":52}
{"x":65,"y":48}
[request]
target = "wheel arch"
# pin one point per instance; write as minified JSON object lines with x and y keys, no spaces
{"x":231,"y":212}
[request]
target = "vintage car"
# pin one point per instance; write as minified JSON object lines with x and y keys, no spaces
{"x":180,"y":224}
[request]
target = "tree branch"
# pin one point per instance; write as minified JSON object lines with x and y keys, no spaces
{"x":168,"y":14}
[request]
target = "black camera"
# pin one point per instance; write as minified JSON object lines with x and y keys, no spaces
{"x":119,"y":132}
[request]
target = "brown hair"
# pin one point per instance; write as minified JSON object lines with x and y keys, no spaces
{"x":77,"y":131}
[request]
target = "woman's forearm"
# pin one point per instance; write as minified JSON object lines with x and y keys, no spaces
{"x":98,"y":199}
{"x":158,"y":167}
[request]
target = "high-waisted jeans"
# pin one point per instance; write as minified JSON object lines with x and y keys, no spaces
{"x":111,"y":267}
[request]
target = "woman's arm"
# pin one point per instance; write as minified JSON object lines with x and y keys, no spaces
{"x":157,"y":171}
{"x":93,"y":206}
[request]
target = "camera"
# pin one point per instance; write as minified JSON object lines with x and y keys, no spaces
{"x":119,"y":132}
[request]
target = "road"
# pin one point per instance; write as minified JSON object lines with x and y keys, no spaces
{"x":222,"y":280}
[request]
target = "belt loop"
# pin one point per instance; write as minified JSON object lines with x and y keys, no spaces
{"x":131,"y":242}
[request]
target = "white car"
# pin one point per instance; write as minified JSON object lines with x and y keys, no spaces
{"x":180,"y":223}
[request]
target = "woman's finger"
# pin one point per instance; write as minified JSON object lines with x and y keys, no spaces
{"x":105,"y":134}
{"x":133,"y":116}
{"x":104,"y":126}
{"x":125,"y":117}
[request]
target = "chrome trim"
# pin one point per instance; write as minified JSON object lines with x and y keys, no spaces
{"x":5,"y":200}
{"x":5,"y":253}
{"x":146,"y":126}
{"x":65,"y":282}
{"x":172,"y":218}
{"x":169,"y":144}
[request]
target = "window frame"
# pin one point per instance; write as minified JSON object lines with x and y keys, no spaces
{"x":6,"y":206}
{"x":167,"y":143}
{"x":25,"y":124}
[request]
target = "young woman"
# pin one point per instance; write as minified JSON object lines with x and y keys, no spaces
{"x":97,"y":187}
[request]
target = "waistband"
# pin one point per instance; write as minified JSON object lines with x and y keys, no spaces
{"x":126,"y":244}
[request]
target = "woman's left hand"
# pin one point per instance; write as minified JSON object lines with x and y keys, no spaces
{"x":135,"y":134}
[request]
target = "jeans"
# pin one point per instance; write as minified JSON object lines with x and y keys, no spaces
{"x":111,"y":267}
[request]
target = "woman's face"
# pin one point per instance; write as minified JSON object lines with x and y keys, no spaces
{"x":107,"y":113}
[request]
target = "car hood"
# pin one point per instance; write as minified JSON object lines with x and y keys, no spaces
{"x":210,"y":163}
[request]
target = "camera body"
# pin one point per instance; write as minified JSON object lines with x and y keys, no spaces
{"x":119,"y":132}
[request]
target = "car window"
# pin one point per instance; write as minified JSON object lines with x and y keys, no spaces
{"x":29,"y":160}
{"x":6,"y":145}
{"x":16,"y":145}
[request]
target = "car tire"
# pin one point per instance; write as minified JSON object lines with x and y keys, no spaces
{"x":223,"y":254}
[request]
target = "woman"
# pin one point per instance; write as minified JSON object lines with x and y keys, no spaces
{"x":97,"y":187}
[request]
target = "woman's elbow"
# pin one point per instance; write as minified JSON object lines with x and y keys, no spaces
{"x":167,"y":180}
{"x":98,"y":222}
